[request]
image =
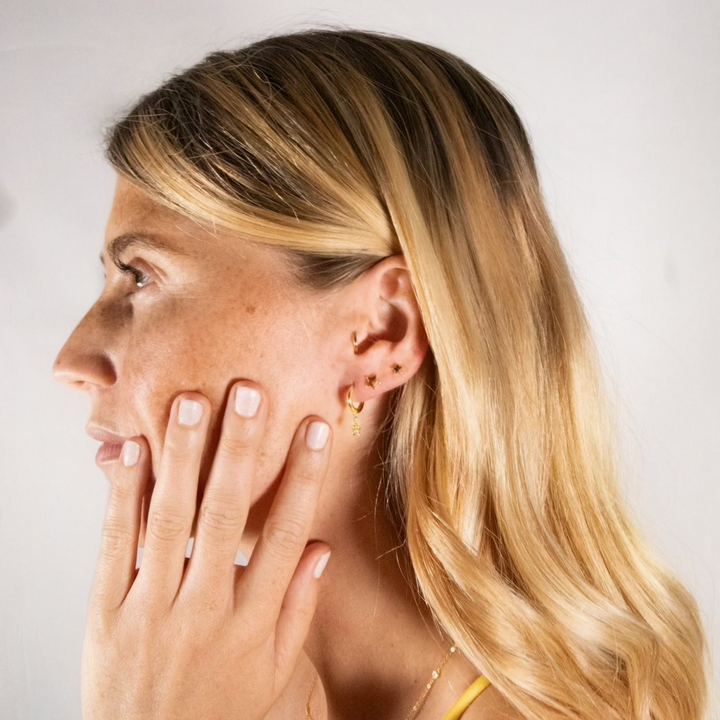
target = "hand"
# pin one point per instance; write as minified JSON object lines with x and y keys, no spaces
{"x":207,"y":639}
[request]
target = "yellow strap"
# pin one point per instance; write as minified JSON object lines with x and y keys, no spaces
{"x":466,"y":698}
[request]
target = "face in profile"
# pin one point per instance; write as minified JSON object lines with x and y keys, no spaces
{"x":184,"y":309}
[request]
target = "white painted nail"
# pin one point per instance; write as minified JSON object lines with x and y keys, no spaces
{"x":317,"y":434}
{"x":189,"y":412}
{"x":321,"y":563}
{"x":247,"y":401}
{"x":130,"y":453}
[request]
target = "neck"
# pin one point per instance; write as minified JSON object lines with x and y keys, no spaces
{"x":373,"y":640}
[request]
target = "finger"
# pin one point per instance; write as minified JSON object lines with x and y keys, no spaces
{"x":118,"y":550}
{"x":174,"y":499}
{"x":149,"y":487}
{"x":226,"y":498}
{"x":282,"y":540}
{"x":298,"y":610}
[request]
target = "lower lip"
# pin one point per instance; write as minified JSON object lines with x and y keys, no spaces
{"x":108,"y":452}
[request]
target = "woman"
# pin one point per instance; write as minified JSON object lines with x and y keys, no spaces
{"x":336,"y":309}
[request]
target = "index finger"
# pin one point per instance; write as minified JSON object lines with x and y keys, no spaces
{"x":115,"y":571}
{"x":285,"y":533}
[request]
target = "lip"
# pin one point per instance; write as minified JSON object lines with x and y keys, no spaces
{"x":111,"y":447}
{"x":98,"y":433}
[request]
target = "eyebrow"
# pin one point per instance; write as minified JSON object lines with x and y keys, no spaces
{"x":118,"y":245}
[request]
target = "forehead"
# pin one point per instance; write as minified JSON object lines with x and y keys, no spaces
{"x":135,"y":214}
{"x":132,"y":209}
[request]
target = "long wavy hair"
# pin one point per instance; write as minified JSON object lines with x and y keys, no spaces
{"x":342,"y":147}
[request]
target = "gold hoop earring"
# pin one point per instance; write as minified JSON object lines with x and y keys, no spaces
{"x":355,"y":342}
{"x":355,"y":410}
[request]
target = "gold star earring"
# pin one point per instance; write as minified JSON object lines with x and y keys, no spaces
{"x":372,"y":381}
{"x":397,"y":369}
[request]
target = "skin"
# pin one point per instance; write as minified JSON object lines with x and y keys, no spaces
{"x":216,"y":309}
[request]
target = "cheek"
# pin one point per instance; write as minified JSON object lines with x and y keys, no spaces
{"x":206,"y":349}
{"x":203,"y":349}
{"x":198,"y":348}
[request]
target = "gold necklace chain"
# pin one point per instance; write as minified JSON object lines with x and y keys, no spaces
{"x":416,"y":707}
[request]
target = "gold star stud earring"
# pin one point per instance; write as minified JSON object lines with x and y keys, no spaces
{"x":397,"y":369}
{"x":372,"y":381}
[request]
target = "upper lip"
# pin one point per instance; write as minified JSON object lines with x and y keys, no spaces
{"x":95,"y":431}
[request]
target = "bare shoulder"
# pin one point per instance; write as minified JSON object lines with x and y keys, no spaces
{"x":491,"y":705}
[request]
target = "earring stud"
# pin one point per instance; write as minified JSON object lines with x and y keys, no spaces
{"x":397,"y":369}
{"x":372,"y":381}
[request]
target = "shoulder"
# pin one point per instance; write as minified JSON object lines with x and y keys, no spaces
{"x":491,"y":705}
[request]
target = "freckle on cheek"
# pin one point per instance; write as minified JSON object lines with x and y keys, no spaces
{"x":250,"y":309}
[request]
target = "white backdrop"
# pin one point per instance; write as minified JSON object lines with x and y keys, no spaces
{"x":621,"y":99}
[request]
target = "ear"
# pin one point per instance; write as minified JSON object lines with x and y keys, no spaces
{"x":391,"y":338}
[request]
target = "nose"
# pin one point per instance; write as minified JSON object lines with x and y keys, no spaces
{"x":85,"y":360}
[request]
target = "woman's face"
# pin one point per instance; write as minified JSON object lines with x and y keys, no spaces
{"x":211,"y":309}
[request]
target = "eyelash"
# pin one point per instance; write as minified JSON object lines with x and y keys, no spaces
{"x":138,"y":275}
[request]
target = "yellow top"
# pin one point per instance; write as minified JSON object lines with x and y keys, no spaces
{"x":466,"y":698}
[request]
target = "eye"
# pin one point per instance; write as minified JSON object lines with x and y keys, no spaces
{"x":141,"y":279}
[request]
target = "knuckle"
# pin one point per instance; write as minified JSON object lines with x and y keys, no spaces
{"x":116,"y":539}
{"x":181,"y":446}
{"x":236,"y":446}
{"x":144,"y":617}
{"x":100,"y":624}
{"x":221,"y":518}
{"x":122,"y":491}
{"x":167,"y":525}
{"x":305,"y":488}
{"x":306,"y":479}
{"x":210,"y":623}
{"x":284,"y":535}
{"x":145,"y":607}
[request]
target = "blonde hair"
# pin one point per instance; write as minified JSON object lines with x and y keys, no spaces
{"x":342,"y":147}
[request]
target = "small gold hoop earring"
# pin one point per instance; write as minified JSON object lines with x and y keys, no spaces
{"x":355,"y":410}
{"x":355,"y":342}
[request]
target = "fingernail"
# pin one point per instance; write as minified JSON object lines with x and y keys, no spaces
{"x":189,"y":412}
{"x":247,"y":401}
{"x":130,"y":453}
{"x":321,"y":563}
{"x":317,"y":434}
